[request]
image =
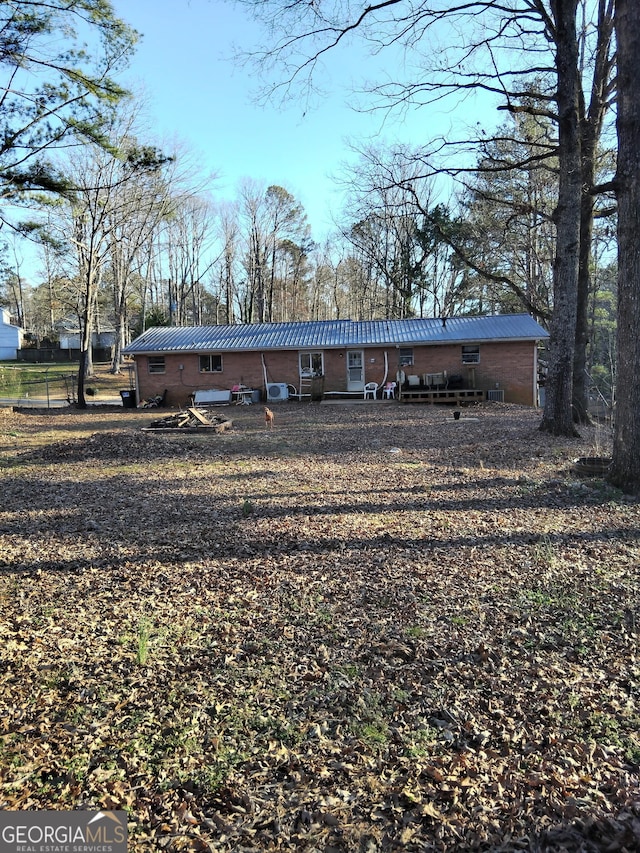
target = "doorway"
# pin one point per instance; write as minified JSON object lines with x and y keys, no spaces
{"x":355,"y":370}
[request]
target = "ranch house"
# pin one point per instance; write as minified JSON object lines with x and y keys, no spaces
{"x":457,"y":359}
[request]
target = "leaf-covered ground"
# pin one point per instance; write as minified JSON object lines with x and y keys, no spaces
{"x":371,"y":629}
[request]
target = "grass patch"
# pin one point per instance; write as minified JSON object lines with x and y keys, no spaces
{"x":22,"y":380}
{"x":143,"y":637}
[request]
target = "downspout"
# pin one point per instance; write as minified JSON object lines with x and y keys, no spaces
{"x":386,"y":370}
{"x":137,"y":383}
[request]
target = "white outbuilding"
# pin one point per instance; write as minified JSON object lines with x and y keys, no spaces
{"x":10,"y":337}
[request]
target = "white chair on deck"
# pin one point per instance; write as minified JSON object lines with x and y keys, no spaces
{"x":370,"y":390}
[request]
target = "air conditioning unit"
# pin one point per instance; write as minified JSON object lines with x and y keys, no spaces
{"x":496,"y":396}
{"x":277,"y":391}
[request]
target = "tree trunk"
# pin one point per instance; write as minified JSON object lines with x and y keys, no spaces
{"x":120,"y":340}
{"x":82,"y":400}
{"x":85,"y":368}
{"x":558,"y":414}
{"x":625,"y":471}
{"x":120,"y":312}
{"x":580,"y":385}
{"x":85,"y":355}
{"x":591,"y":121}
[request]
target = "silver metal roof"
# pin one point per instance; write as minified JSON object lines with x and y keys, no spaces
{"x":327,"y":334}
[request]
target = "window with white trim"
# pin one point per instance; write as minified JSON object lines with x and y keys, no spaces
{"x":312,"y":363}
{"x":406,"y":356}
{"x":155,"y":364}
{"x":471,"y":354}
{"x":211,"y":363}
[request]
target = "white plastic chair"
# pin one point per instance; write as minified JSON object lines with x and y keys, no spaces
{"x":370,"y":389}
{"x":389,"y":391}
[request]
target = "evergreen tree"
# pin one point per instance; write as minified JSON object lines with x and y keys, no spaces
{"x":54,"y":91}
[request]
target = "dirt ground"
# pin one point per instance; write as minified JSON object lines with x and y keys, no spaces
{"x":372,"y":628}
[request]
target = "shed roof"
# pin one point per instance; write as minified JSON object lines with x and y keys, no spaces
{"x":327,"y":334}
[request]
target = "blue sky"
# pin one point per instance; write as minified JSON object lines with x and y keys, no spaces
{"x":197,"y":95}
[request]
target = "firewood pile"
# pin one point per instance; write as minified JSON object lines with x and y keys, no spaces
{"x":193,"y":419}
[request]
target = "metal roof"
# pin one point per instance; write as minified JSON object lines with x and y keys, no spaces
{"x":327,"y":334}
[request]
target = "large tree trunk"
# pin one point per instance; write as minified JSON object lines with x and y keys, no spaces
{"x":119,"y":271}
{"x":85,"y":368}
{"x":580,"y":385}
{"x":558,"y":413}
{"x":626,"y":441}
{"x":120,"y":341}
{"x":591,"y":121}
{"x":85,"y":359}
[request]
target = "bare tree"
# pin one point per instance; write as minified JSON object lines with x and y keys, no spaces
{"x":143,"y":206}
{"x":141,"y":200}
{"x":329,"y":296}
{"x":13,"y":284}
{"x":385,"y":230}
{"x":594,"y":104}
{"x":88,"y":223}
{"x":86,"y":229}
{"x":189,"y":238}
{"x":626,"y":446}
{"x":498,"y":48}
{"x":255,"y":235}
{"x":288,"y":237}
{"x":227,"y":265}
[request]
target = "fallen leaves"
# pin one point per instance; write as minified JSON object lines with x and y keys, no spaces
{"x":344,"y":649}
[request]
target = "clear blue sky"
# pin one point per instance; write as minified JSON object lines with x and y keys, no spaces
{"x":199,"y":96}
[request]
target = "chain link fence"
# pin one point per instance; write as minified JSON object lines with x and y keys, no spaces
{"x":45,"y":387}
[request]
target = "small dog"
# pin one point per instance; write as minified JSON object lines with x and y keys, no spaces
{"x":268,"y":418}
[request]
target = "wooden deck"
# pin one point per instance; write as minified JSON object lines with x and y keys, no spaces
{"x":458,"y":396}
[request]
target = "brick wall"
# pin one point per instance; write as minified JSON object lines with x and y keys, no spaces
{"x":509,"y":366}
{"x":182,"y":376}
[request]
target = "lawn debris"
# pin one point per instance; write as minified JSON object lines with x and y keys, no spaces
{"x":191,"y":420}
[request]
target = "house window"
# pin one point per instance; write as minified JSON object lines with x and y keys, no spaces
{"x":311,"y":364}
{"x":210,"y":363}
{"x":156,"y":364}
{"x":471,"y":355}
{"x":406,"y":356}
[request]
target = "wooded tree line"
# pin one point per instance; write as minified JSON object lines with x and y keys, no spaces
{"x":136,"y":245}
{"x":528,"y":225}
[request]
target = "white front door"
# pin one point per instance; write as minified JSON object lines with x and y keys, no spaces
{"x":355,"y":370}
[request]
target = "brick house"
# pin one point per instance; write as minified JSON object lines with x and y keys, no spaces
{"x":494,"y":357}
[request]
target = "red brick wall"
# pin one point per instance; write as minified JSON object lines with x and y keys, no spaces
{"x":509,"y":366}
{"x":237,"y":369}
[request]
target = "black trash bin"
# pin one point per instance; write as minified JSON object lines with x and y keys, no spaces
{"x":128,"y":399}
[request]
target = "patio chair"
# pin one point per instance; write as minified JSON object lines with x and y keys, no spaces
{"x":370,"y":389}
{"x":389,"y":391}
